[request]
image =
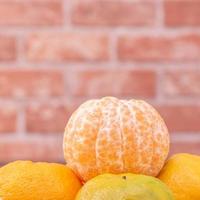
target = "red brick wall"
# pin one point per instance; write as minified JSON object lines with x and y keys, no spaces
{"x":55,"y":54}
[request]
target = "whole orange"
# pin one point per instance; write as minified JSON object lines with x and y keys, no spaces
{"x":115,"y":136}
{"x":25,"y":180}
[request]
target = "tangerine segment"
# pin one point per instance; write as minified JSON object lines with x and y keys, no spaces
{"x":109,"y":137}
{"x":143,"y":138}
{"x":82,"y":134}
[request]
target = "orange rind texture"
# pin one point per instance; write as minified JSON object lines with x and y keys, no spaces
{"x":26,"y":180}
{"x":115,"y":136}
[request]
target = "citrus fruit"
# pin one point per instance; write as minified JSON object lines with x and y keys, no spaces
{"x":109,"y":135}
{"x":182,"y":174}
{"x":124,"y":187}
{"x":24,"y":180}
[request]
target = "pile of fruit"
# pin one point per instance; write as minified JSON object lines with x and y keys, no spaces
{"x":114,"y":150}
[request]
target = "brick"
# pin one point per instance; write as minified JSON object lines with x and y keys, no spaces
{"x":7,"y":48}
{"x":20,"y":83}
{"x":159,"y":48}
{"x":114,"y":13}
{"x":181,"y":118}
{"x":30,"y":13}
{"x":46,"y":118}
{"x":60,"y":47}
{"x":185,"y":147}
{"x":182,"y":13}
{"x":8,"y":118}
{"x":118,"y":82}
{"x":182,"y":83}
{"x":39,"y":149}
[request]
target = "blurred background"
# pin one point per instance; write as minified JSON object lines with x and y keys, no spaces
{"x":55,"y":54}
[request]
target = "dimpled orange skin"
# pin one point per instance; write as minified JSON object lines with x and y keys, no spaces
{"x":25,"y":180}
{"x":115,"y":136}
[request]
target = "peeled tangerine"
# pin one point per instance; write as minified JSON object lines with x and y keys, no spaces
{"x":24,"y":180}
{"x":124,"y":187}
{"x":115,"y":136}
{"x":182,"y":175}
